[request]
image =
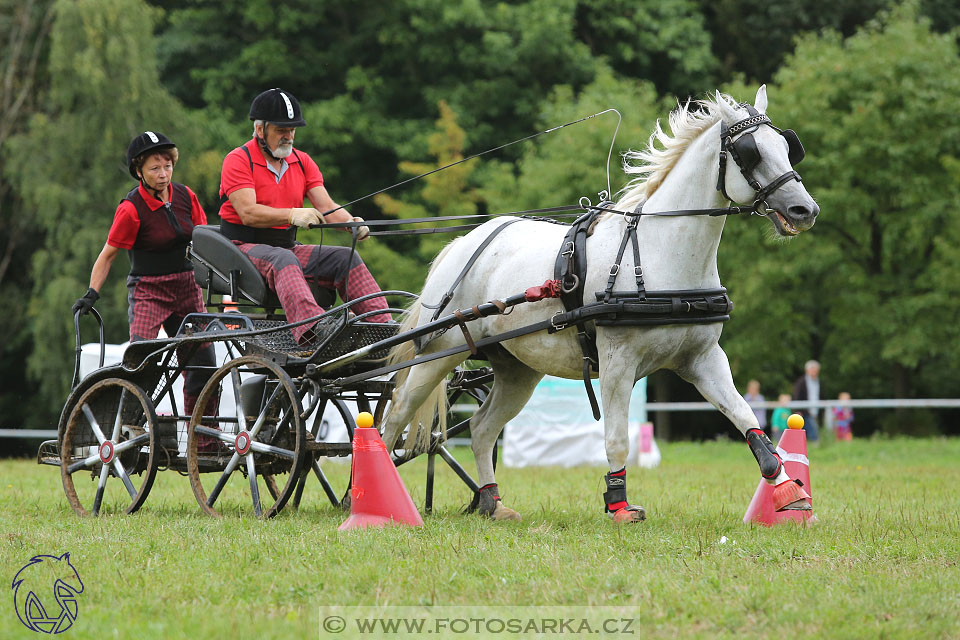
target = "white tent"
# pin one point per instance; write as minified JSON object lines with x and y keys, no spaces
{"x":556,"y":428}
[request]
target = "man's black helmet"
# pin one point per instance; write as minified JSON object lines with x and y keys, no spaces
{"x":277,"y":107}
{"x":148,"y":141}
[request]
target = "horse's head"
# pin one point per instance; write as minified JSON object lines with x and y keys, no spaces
{"x":757,"y":164}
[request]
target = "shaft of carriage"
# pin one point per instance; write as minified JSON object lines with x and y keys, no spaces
{"x":549,"y":289}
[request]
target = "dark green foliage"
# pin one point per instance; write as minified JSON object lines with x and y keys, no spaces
{"x":390,"y":89}
{"x":871,"y":290}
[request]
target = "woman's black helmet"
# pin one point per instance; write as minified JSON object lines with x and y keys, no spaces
{"x":277,"y":107}
{"x":146,"y":142}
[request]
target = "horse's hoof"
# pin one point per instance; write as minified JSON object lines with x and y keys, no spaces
{"x":504,"y":513}
{"x":629,"y":515}
{"x":799,"y":505}
{"x":790,"y":495}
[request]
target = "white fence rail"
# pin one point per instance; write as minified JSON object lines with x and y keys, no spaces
{"x":890,"y":403}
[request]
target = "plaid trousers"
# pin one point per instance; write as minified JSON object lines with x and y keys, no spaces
{"x":164,"y":301}
{"x":288,"y":272}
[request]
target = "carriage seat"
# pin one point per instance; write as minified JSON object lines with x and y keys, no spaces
{"x":219,"y":265}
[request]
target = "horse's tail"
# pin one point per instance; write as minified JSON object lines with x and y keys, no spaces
{"x":435,"y":405}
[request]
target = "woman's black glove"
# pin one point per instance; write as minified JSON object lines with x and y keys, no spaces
{"x":84,"y":304}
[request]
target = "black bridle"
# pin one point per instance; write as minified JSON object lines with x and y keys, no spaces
{"x":746,"y":155}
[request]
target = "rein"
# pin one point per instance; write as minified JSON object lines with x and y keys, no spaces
{"x":563,"y":211}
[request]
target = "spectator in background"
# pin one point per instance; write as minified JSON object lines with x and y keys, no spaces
{"x":807,"y":388}
{"x":755,"y":400}
{"x":843,"y":418}
{"x":778,"y":420}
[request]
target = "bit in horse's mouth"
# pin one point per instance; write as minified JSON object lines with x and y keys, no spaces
{"x":785,"y":225}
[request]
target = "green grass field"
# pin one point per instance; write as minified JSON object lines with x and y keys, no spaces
{"x":881,"y":563}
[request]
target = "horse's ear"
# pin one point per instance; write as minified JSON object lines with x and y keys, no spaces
{"x":760,"y":102}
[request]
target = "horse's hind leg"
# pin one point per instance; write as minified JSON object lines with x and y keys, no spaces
{"x":513,"y":384}
{"x":414,"y":391}
{"x":711,"y":375}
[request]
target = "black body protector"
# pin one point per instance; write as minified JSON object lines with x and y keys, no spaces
{"x":489,"y":497}
{"x":765,"y":453}
{"x":615,"y":497}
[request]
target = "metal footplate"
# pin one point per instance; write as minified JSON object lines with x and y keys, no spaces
{"x":49,"y":453}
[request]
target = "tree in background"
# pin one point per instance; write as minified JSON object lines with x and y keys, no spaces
{"x":875,"y":111}
{"x":666,"y":43}
{"x":752,"y":37}
{"x":868,"y":290}
{"x":23,"y":76}
{"x":444,"y":193}
{"x":371,"y":74}
{"x":561,"y":167}
{"x":104,"y":89}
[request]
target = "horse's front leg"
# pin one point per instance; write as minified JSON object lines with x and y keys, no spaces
{"x":710,"y":373}
{"x":616,"y":385}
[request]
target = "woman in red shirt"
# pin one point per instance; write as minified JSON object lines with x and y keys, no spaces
{"x":154,"y":223}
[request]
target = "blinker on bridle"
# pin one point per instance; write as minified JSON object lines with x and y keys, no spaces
{"x":746,"y":155}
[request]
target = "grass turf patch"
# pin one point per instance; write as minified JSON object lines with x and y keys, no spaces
{"x":882,"y":562}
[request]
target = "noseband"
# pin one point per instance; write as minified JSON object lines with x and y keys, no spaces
{"x":745,"y":154}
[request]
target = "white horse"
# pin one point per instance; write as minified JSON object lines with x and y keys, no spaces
{"x":676,"y":253}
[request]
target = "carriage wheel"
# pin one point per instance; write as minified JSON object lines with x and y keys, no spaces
{"x":245,"y":457}
{"x":107,"y":459}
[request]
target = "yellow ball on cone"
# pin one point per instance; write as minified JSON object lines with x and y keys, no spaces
{"x":795,"y":421}
{"x":364,"y":420}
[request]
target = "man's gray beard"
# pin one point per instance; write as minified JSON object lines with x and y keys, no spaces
{"x":283,"y":150}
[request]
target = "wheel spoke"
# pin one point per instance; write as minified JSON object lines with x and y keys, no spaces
{"x":122,"y":473}
{"x":216,"y":433}
{"x":262,"y":447}
{"x":86,"y":463}
{"x":116,"y":423}
{"x":254,"y":489}
{"x":238,"y":402}
{"x":222,"y":480}
{"x":263,"y":414}
{"x":101,"y":485}
{"x":130,"y":444}
{"x":94,"y":425}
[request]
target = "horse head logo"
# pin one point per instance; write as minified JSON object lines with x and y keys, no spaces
{"x":39,"y":576}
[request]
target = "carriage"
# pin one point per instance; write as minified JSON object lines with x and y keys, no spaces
{"x":260,"y":413}
{"x":618,"y":316}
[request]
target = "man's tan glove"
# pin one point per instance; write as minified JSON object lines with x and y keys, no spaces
{"x":363,"y":232}
{"x":303,"y":217}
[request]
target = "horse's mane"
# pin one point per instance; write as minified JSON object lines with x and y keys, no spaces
{"x":653,"y":163}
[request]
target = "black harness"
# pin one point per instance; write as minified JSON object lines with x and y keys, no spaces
{"x":622,"y":308}
{"x":639,"y":307}
{"x":646,"y":308}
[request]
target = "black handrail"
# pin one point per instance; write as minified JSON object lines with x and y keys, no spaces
{"x":103,"y":347}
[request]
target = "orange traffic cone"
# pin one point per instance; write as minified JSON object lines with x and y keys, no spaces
{"x":793,"y":451}
{"x":378,"y":496}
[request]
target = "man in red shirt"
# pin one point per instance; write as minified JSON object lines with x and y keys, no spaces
{"x":266,"y":181}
